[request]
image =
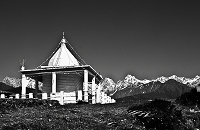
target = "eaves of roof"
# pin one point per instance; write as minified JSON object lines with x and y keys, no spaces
{"x":60,"y":69}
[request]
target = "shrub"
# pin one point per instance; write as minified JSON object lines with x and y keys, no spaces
{"x":164,"y":115}
{"x":190,"y":98}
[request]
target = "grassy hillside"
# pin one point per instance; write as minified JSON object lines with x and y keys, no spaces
{"x":55,"y":117}
{"x":35,"y":114}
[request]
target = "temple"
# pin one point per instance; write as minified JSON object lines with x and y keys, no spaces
{"x":64,"y":71}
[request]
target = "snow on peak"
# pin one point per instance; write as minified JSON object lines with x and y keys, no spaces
{"x":16,"y":82}
{"x":197,"y":77}
{"x":132,"y":80}
{"x":162,"y":79}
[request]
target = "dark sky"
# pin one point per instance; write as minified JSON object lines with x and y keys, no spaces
{"x":144,"y":38}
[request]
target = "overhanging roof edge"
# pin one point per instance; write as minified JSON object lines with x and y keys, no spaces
{"x":54,"y":69}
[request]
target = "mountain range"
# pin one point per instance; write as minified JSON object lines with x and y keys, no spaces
{"x":9,"y":90}
{"x":15,"y":82}
{"x":161,"y":87}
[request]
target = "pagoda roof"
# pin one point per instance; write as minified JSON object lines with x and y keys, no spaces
{"x":63,"y":55}
{"x":63,"y":59}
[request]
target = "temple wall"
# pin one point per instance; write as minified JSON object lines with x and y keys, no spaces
{"x":69,"y":82}
{"x":64,"y":82}
{"x":47,"y":83}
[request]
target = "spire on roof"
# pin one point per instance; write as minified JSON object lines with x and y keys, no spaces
{"x":22,"y":63}
{"x":64,"y":55}
{"x":63,"y":39}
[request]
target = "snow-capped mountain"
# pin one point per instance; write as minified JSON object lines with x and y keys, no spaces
{"x":132,"y":80}
{"x":192,"y":82}
{"x":108,"y":85}
{"x":137,"y":86}
{"x":15,"y":82}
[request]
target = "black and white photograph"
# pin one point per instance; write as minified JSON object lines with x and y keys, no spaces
{"x":100,"y":65}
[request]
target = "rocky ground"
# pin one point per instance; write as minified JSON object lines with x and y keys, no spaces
{"x":49,"y":115}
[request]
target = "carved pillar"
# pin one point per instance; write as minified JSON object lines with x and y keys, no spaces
{"x":93,"y":91}
{"x":23,"y":93}
{"x":80,"y":96}
{"x":85,"y":85}
{"x":36,"y":87}
{"x":53,"y":82}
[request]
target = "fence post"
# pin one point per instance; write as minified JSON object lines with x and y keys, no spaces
{"x":62,"y":97}
{"x":44,"y":95}
{"x":53,"y":96}
{"x":30,"y":95}
{"x":17,"y":96}
{"x":2,"y":95}
{"x":80,"y":95}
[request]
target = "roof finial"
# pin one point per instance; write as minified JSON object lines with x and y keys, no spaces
{"x":63,"y":39}
{"x":63,"y":35}
{"x":22,"y":63}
